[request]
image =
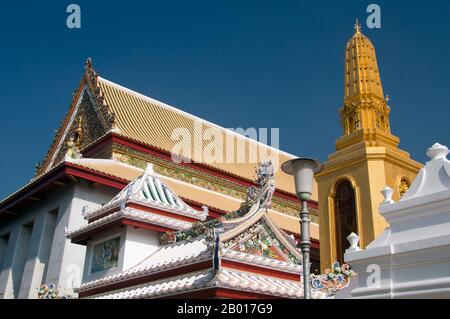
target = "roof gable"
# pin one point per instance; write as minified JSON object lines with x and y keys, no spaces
{"x":87,"y":120}
{"x":259,"y":240}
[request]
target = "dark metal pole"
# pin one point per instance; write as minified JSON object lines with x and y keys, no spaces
{"x":305,"y":245}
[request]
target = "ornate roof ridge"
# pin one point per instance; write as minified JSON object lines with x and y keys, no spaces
{"x":251,"y":212}
{"x":132,"y":214}
{"x":150,"y":190}
{"x":257,"y":200}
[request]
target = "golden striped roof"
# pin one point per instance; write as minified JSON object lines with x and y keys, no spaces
{"x":152,"y":122}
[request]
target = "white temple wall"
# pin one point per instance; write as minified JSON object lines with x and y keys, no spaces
{"x":14,"y":263}
{"x":38,"y":254}
{"x":139,"y":243}
{"x":16,"y":234}
{"x":67,"y":259}
{"x":33,"y":247}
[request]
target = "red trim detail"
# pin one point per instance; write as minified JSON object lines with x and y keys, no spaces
{"x":225,"y":293}
{"x":95,"y":176}
{"x":145,"y":148}
{"x":32,"y":189}
{"x":162,"y":212}
{"x":240,"y":294}
{"x":206,"y":293}
{"x":97,"y":146}
{"x":80,"y":239}
{"x":315,"y":244}
{"x":147,"y":226}
{"x":226,"y":263}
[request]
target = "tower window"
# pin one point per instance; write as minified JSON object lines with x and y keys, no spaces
{"x":345,"y":216}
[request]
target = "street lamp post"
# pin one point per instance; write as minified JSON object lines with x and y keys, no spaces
{"x":303,"y":170}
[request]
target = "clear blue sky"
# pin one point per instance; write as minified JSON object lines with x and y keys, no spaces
{"x":235,"y":63}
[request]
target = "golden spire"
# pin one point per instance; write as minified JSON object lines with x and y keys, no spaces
{"x":365,"y":106}
{"x":361,"y":68}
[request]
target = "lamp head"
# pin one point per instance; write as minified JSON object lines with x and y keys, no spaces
{"x":303,"y":170}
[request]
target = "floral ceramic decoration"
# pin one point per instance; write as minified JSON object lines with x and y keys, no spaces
{"x":51,"y":292}
{"x":334,"y":279}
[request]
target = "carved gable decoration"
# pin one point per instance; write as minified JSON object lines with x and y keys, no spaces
{"x":85,"y":128}
{"x":88,"y":118}
{"x":260,"y":240}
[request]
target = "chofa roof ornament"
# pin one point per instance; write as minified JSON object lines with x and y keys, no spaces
{"x":264,"y":172}
{"x":434,"y":177}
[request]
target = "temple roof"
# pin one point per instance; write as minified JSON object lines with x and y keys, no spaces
{"x":150,"y":122}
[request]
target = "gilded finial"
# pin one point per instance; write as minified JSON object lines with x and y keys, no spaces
{"x":88,"y":64}
{"x":357,"y":26}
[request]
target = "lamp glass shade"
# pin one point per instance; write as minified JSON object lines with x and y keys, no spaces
{"x":303,"y":170}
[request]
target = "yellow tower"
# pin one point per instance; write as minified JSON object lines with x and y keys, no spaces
{"x":367,"y":158}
